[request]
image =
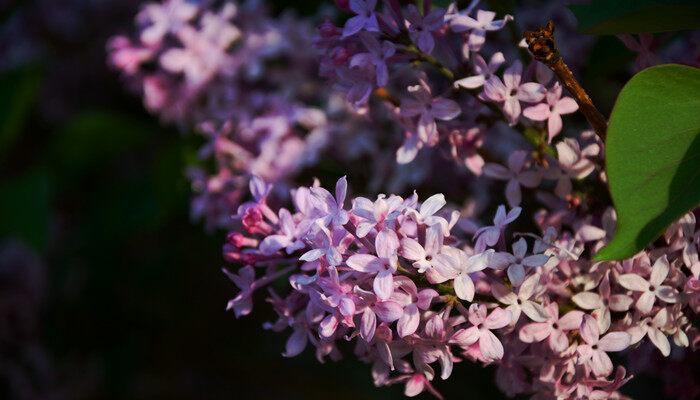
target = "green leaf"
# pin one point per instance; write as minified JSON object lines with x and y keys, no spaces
{"x":606,"y":17}
{"x":19,"y":88}
{"x":24,"y":208}
{"x":653,"y":155}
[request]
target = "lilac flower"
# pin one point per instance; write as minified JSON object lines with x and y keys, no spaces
{"x":652,"y":288}
{"x":455,"y":264}
{"x":429,"y":109}
{"x":413,"y":302}
{"x":421,"y":28}
{"x":331,"y":208}
{"x":365,"y":19}
{"x":482,"y":71}
{"x":324,"y":247}
{"x":554,"y":329}
{"x":594,"y":352}
{"x":517,"y":262}
{"x":552,"y":110}
{"x":574,"y":163}
{"x":510,"y":92}
{"x":162,"y":19}
{"x":423,"y":257}
{"x":515,"y":175}
{"x":357,"y":84}
{"x":488,"y":235}
{"x":287,"y":240}
{"x":383,"y":265}
{"x":478,"y":27}
{"x":480,"y":331}
{"x":521,"y":303}
{"x":643,"y":47}
{"x":466,"y":147}
{"x":653,"y":329}
{"x":376,"y":56}
{"x":379,"y":214}
{"x":603,"y":301}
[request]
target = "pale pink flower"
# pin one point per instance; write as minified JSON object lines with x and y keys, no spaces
{"x":516,"y":174}
{"x":520,"y":302}
{"x":603,"y":302}
{"x":480,"y":331}
{"x":510,"y":92}
{"x":652,"y":328}
{"x":413,"y":302}
{"x":423,"y":257}
{"x":555,"y":328}
{"x":651,"y":289}
{"x":552,"y":110}
{"x":594,"y":352}
{"x":478,"y":27}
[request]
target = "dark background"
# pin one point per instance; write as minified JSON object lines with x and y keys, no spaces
{"x":128,"y":299}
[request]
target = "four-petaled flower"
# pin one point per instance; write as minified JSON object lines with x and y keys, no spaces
{"x":480,"y":331}
{"x":516,"y":174}
{"x":594,"y":352}
{"x":552,"y":110}
{"x":652,"y":288}
{"x":365,"y":19}
{"x":428,"y":108}
{"x":488,"y":235}
{"x":521,"y":303}
{"x":554,"y":328}
{"x":510,"y":92}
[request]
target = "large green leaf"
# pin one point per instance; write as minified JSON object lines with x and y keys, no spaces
{"x":608,"y":17}
{"x":653,"y":155}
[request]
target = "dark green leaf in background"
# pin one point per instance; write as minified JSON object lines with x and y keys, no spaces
{"x":18,"y":90}
{"x":653,"y":155}
{"x":24,"y":208}
{"x":609,"y":17}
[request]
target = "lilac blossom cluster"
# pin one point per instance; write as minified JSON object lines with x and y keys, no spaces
{"x":245,"y":81}
{"x":400,"y":279}
{"x":441,"y":75}
{"x":416,"y":287}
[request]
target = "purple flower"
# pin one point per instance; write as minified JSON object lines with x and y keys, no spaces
{"x":384,"y":264}
{"x":518,"y":261}
{"x":515,"y":175}
{"x":428,"y":108}
{"x":574,"y":163}
{"x":365,"y":19}
{"x":454,"y":264}
{"x":331,"y":208}
{"x":423,"y":257}
{"x":552,"y":110}
{"x":482,"y":71}
{"x":162,"y":19}
{"x":510,"y":92}
{"x":376,"y":56}
{"x":488,"y":235}
{"x":421,"y":28}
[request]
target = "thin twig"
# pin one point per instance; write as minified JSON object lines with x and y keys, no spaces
{"x":542,"y":46}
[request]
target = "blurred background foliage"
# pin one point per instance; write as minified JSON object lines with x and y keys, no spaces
{"x":134,"y":302}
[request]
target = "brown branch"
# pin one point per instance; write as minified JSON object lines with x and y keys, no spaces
{"x":542,"y":46}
